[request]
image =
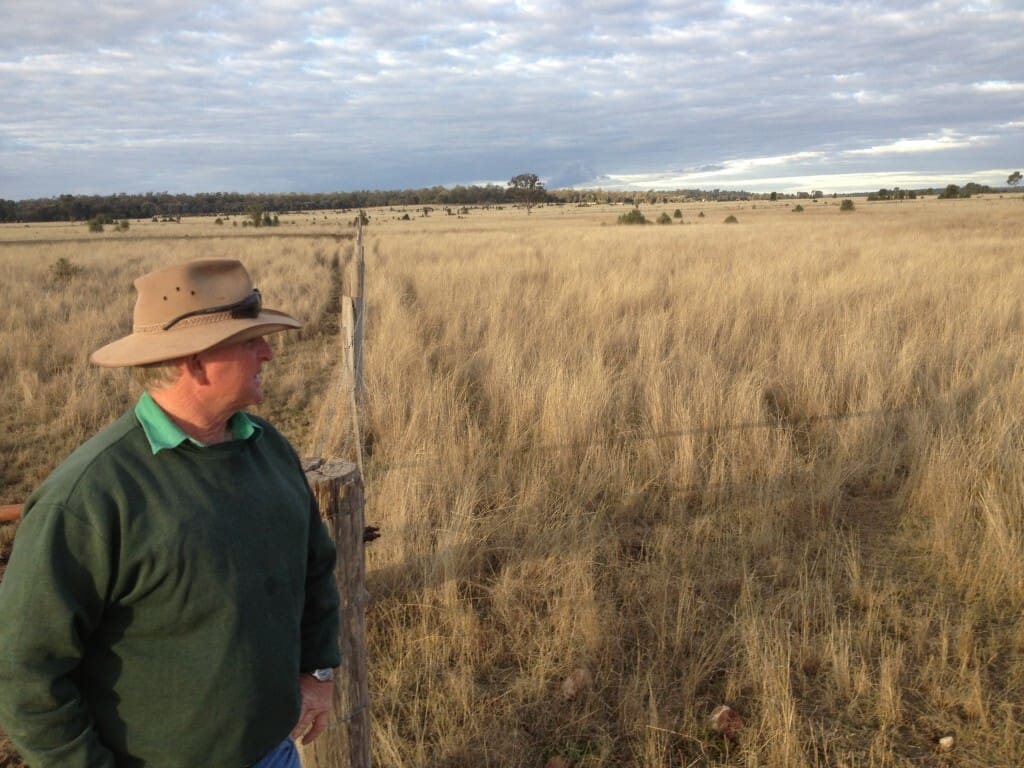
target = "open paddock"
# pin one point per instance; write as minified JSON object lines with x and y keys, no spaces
{"x":625,"y":474}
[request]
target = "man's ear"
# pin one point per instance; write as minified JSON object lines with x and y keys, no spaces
{"x":195,"y":368}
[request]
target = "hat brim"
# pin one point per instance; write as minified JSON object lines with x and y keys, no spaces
{"x":146,"y":348}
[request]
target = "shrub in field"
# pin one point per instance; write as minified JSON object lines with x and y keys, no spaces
{"x":63,"y":270}
{"x":730,"y":219}
{"x":798,"y":209}
{"x":633,"y":217}
{"x":678,"y":214}
{"x":664,"y":218}
{"x":96,"y":224}
{"x":846,"y":205}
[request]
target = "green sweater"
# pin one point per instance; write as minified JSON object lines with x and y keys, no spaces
{"x":158,"y":608}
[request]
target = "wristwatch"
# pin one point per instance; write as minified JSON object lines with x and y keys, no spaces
{"x":323,"y":675}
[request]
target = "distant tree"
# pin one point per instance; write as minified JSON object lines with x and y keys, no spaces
{"x":678,"y":214}
{"x":633,"y":217}
{"x":528,"y":188}
{"x":1013,"y":179}
{"x":846,"y":205}
{"x":730,"y":219}
{"x":774,"y":196}
{"x":664,"y":218}
{"x":798,"y":208}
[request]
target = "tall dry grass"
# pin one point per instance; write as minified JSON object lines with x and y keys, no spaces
{"x":774,"y":465}
{"x":627,"y":474}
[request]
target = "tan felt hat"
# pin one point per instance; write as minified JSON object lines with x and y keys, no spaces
{"x":190,"y":307}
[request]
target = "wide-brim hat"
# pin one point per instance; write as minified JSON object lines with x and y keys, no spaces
{"x":189,"y":308}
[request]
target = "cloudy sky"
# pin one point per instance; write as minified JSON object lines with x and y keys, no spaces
{"x":298,"y":95}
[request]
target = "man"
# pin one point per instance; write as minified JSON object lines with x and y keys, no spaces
{"x":170,"y":599}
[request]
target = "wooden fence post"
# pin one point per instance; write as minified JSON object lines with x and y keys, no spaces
{"x":338,"y":487}
{"x":355,"y":283}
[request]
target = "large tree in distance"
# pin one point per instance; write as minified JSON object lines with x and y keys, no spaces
{"x":528,"y":188}
{"x":1013,"y":179}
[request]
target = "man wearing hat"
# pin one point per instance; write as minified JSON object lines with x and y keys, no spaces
{"x":170,"y":599}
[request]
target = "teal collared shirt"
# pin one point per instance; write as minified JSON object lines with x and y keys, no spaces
{"x":163,"y":433}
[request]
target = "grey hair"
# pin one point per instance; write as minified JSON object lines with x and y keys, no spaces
{"x":156,"y":375}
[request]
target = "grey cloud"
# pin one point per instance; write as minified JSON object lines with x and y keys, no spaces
{"x":475,"y":89}
{"x":571,"y":173}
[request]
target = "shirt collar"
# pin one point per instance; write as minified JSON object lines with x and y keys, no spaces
{"x":163,"y":433}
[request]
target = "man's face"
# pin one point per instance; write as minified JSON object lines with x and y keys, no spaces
{"x":233,"y":374}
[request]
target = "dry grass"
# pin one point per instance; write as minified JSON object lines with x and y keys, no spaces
{"x":774,"y":465}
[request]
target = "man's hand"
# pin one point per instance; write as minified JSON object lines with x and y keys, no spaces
{"x":317,"y":698}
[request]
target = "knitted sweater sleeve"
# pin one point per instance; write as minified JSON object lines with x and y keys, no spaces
{"x":320,"y":623}
{"x":51,"y":599}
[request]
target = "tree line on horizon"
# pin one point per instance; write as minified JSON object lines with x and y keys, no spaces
{"x":162,"y":205}
{"x":166,"y":205}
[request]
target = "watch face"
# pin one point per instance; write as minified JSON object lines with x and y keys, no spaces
{"x":323,"y":675}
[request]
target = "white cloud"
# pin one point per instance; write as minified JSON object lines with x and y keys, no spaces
{"x":867,"y":97}
{"x":939,"y":143}
{"x":366,"y":95}
{"x":748,"y":9}
{"x":999,"y":86}
{"x":829,"y":183}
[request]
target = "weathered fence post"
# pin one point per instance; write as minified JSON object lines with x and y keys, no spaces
{"x":355,"y":283}
{"x":338,"y":487}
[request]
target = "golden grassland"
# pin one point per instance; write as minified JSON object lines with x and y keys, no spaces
{"x":775,"y":465}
